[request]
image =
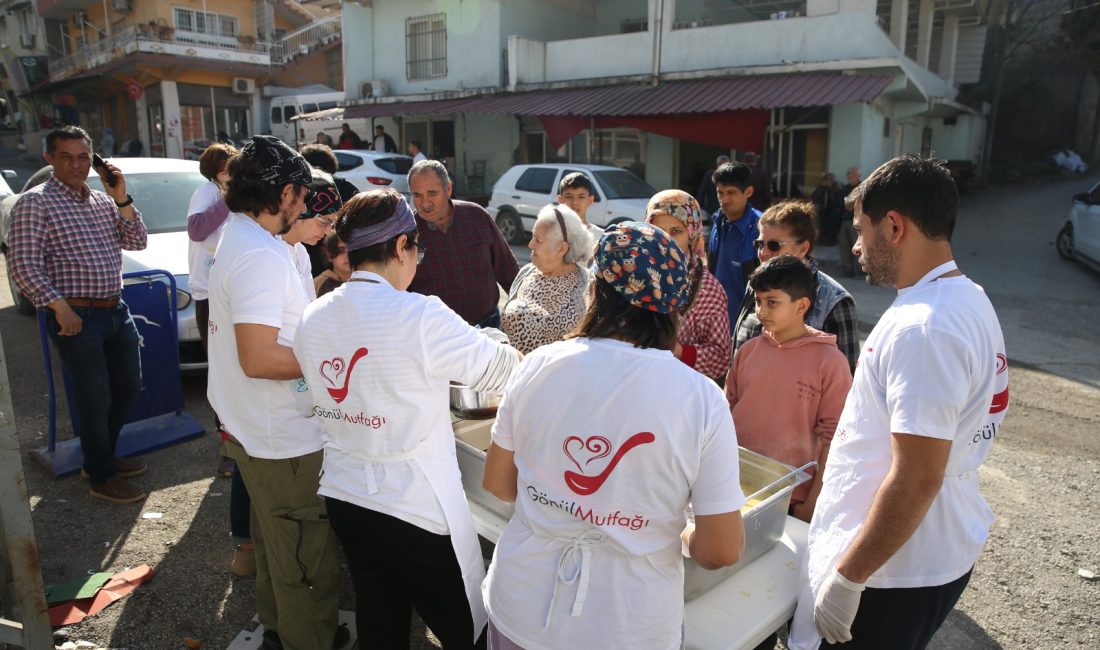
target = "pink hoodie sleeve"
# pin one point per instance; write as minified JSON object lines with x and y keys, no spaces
{"x":836,"y":382}
{"x":731,"y":381}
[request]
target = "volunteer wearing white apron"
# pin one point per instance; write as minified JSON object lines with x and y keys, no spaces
{"x":207,"y":215}
{"x":380,"y":360}
{"x":602,"y":440}
{"x":901,"y":520}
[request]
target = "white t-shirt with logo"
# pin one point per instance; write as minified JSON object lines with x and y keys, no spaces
{"x":933,"y":366}
{"x":200,"y":255}
{"x":304,"y":268}
{"x":611,"y":442}
{"x":253,"y":280}
{"x":380,"y":362}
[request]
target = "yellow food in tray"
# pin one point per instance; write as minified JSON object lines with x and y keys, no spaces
{"x":750,"y":504}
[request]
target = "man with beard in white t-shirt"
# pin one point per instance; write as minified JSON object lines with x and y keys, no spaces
{"x":901,"y":520}
{"x":256,"y":386}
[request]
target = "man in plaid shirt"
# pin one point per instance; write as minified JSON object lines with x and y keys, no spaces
{"x":465,"y":254}
{"x":65,"y":256}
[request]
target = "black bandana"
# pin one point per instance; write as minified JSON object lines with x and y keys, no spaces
{"x":281,"y":164}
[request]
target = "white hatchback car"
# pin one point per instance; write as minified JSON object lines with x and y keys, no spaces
{"x":523,"y":190}
{"x":162,"y":189}
{"x":372,"y":170}
{"x":1079,"y":239}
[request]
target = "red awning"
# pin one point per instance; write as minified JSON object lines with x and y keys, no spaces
{"x":670,"y":98}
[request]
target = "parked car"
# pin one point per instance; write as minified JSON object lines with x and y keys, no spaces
{"x":523,"y":190}
{"x":1079,"y":239}
{"x":162,"y":189}
{"x":372,"y":170}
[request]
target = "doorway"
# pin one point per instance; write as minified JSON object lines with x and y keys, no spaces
{"x":695,"y":161}
{"x":797,"y":150}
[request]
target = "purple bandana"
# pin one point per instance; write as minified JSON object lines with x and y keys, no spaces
{"x":401,"y":221}
{"x":643,"y":265}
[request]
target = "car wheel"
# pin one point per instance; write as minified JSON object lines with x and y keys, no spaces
{"x":1064,"y":243}
{"x":511,"y":227}
{"x":22,"y":305}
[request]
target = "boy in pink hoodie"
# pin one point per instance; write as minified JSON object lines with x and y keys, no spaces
{"x":787,"y":386}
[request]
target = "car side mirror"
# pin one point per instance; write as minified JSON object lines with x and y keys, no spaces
{"x":9,"y":174}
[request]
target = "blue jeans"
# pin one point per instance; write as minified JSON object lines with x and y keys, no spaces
{"x":104,"y":364}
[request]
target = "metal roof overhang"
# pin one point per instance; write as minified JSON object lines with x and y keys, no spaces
{"x":674,"y":98}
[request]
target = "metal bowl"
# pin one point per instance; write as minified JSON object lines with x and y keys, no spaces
{"x":469,"y":404}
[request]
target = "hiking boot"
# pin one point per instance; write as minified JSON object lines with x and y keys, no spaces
{"x":273,"y":642}
{"x":118,"y":490}
{"x":244,"y":561}
{"x":124,"y":467}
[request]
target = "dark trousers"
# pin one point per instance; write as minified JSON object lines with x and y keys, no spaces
{"x":395,"y":567}
{"x":240,"y":509}
{"x":104,"y":363}
{"x":902,"y":619}
{"x":492,"y":320}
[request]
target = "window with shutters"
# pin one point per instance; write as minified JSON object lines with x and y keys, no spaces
{"x":426,"y":47}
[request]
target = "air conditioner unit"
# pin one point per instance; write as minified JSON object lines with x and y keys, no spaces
{"x":26,"y":40}
{"x":122,"y":6}
{"x":373,"y":88}
{"x":243,"y":86}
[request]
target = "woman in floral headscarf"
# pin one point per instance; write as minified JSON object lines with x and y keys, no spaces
{"x":703,"y":340}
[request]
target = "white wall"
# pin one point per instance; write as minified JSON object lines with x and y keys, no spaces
{"x":660,"y":162}
{"x":492,"y":138}
{"x":474,"y":47}
{"x":845,"y":138}
{"x":358,"y":52}
{"x":962,"y":141}
{"x":774,"y":42}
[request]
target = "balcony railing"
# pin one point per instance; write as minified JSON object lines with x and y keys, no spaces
{"x":303,"y":41}
{"x":160,"y":39}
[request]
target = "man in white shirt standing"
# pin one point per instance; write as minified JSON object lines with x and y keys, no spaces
{"x":256,"y":386}
{"x":416,"y":151}
{"x":901,"y":520}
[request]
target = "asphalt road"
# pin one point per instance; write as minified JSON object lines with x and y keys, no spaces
{"x":1026,"y":591}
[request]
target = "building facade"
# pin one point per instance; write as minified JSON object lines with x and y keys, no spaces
{"x":813,"y":85}
{"x":172,"y":75}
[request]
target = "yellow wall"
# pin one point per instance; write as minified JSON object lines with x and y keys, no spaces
{"x":160,"y":11}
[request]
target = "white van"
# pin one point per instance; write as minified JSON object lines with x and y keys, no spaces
{"x":285,"y":107}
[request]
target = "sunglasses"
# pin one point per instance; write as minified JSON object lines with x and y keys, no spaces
{"x":328,"y":223}
{"x":420,"y":250}
{"x":774,"y":245}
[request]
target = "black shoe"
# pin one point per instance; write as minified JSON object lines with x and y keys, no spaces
{"x":273,"y":642}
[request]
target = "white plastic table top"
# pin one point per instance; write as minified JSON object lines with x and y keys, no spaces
{"x":739,"y":612}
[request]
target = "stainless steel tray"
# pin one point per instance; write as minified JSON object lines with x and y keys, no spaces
{"x":768,"y":482}
{"x":472,"y":438}
{"x":768,"y":485}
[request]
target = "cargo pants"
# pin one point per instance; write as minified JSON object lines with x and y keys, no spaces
{"x":297,"y":567}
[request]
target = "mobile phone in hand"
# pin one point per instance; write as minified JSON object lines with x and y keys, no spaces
{"x":101,"y":166}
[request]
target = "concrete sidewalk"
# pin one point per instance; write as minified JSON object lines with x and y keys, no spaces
{"x":1004,"y":241}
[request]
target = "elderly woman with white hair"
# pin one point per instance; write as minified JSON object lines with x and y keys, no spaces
{"x":547,"y":297}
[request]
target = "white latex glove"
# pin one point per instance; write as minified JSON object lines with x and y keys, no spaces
{"x":836,"y":608}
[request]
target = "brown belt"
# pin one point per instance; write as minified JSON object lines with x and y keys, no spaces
{"x":93,"y":302}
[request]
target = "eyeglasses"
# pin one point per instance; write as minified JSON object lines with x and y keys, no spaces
{"x":774,"y":245}
{"x":328,"y":223}
{"x":420,"y":250}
